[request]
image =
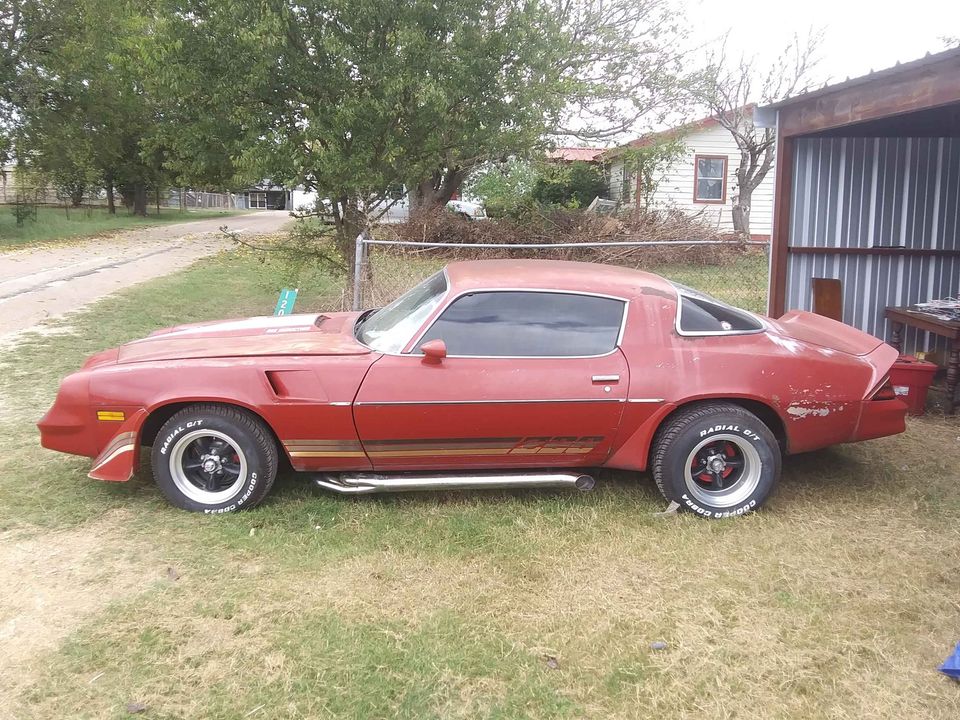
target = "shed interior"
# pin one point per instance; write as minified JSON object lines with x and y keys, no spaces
{"x":876,"y":206}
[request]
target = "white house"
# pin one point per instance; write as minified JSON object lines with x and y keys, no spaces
{"x":703,"y":181}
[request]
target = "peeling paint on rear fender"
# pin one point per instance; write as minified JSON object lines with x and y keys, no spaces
{"x":799,"y":411}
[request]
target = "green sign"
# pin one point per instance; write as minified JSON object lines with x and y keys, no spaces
{"x":285,"y":302}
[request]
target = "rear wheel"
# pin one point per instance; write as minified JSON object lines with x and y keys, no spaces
{"x":214,"y":459}
{"x":716,"y":459}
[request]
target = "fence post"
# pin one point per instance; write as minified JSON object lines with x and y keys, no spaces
{"x":358,"y":270}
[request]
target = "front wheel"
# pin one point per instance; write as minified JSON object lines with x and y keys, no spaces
{"x":214,"y":459}
{"x":716,"y":459}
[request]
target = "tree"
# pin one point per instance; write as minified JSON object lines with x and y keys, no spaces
{"x":503,"y":187}
{"x":729,"y":90}
{"x":352,"y":98}
{"x":592,"y":55}
{"x":72,"y":170}
{"x":573,"y":186}
{"x":88,"y":116}
{"x":27,"y":31}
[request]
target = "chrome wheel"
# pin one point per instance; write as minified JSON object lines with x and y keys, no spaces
{"x":722,"y":471}
{"x":208,"y":466}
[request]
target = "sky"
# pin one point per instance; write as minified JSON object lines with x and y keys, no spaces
{"x":859,"y":36}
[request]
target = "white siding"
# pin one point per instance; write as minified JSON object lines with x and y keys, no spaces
{"x":615,"y":180}
{"x":675,"y":189}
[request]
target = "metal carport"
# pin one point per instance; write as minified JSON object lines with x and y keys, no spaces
{"x":868,"y":193}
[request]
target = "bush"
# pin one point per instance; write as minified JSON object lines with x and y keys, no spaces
{"x":504,"y":187}
{"x":570,"y":186}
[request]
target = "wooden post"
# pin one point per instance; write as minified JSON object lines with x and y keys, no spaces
{"x":780,"y":239}
{"x":953,"y":376}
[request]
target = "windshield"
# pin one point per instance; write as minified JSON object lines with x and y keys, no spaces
{"x":389,"y":329}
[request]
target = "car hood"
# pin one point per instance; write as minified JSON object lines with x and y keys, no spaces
{"x":318,"y":334}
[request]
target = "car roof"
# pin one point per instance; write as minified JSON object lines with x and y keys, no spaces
{"x":556,"y":275}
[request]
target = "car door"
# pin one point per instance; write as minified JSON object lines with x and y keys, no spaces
{"x":529,"y":379}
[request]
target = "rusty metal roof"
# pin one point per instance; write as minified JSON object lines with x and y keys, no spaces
{"x":572,"y":154}
{"x":873,"y":76}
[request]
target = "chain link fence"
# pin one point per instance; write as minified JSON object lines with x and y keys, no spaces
{"x":732,"y":271}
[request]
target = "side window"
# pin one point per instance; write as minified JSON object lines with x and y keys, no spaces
{"x":699,"y":315}
{"x":528,"y":324}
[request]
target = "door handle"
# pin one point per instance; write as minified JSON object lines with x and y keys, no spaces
{"x":606,"y":378}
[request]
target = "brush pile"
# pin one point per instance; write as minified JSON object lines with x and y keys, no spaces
{"x":594,"y":233}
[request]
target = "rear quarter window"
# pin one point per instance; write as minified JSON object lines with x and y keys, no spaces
{"x":700,"y":315}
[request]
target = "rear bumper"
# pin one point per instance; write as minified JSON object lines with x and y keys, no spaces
{"x":879,"y":418}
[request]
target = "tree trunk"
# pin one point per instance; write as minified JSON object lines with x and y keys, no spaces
{"x":436,"y":191}
{"x":350,"y":221}
{"x":76,"y":198}
{"x":140,"y":199}
{"x":741,"y":213}
{"x":111,"y":206}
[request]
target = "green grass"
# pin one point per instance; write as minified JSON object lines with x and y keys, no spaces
{"x":56,"y":224}
{"x":838,"y":600}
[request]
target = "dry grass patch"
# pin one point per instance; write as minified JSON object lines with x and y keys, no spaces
{"x":50,"y":583}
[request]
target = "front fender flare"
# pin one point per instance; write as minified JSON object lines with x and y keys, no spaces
{"x":120,"y":457}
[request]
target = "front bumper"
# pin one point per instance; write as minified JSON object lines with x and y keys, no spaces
{"x":110,"y":434}
{"x":70,"y":426}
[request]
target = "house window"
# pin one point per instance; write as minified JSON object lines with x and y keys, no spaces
{"x":258,"y":201}
{"x":710,"y":179}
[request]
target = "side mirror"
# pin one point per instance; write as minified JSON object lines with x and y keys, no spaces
{"x":434,"y":351}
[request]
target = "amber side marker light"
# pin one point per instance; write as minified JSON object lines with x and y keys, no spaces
{"x":111,"y":415}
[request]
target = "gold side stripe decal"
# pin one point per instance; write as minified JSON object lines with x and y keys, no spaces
{"x":436,"y":448}
{"x":441,"y":453}
{"x":377,"y":447}
{"x":321,"y":442}
{"x":319,"y":445}
{"x":326,"y":453}
{"x":479,"y":451}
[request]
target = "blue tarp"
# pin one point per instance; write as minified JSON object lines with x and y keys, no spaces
{"x":951,"y":666}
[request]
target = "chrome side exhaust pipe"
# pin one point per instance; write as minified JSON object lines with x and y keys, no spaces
{"x":365,"y":483}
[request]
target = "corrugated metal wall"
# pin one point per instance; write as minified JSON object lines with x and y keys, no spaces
{"x":867,"y":192}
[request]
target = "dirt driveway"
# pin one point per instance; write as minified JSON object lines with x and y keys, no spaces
{"x":45,"y":282}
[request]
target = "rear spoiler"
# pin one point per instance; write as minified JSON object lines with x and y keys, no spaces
{"x":818,"y":330}
{"x":880,"y":360}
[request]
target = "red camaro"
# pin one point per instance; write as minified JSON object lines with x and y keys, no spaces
{"x":498,"y":373}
